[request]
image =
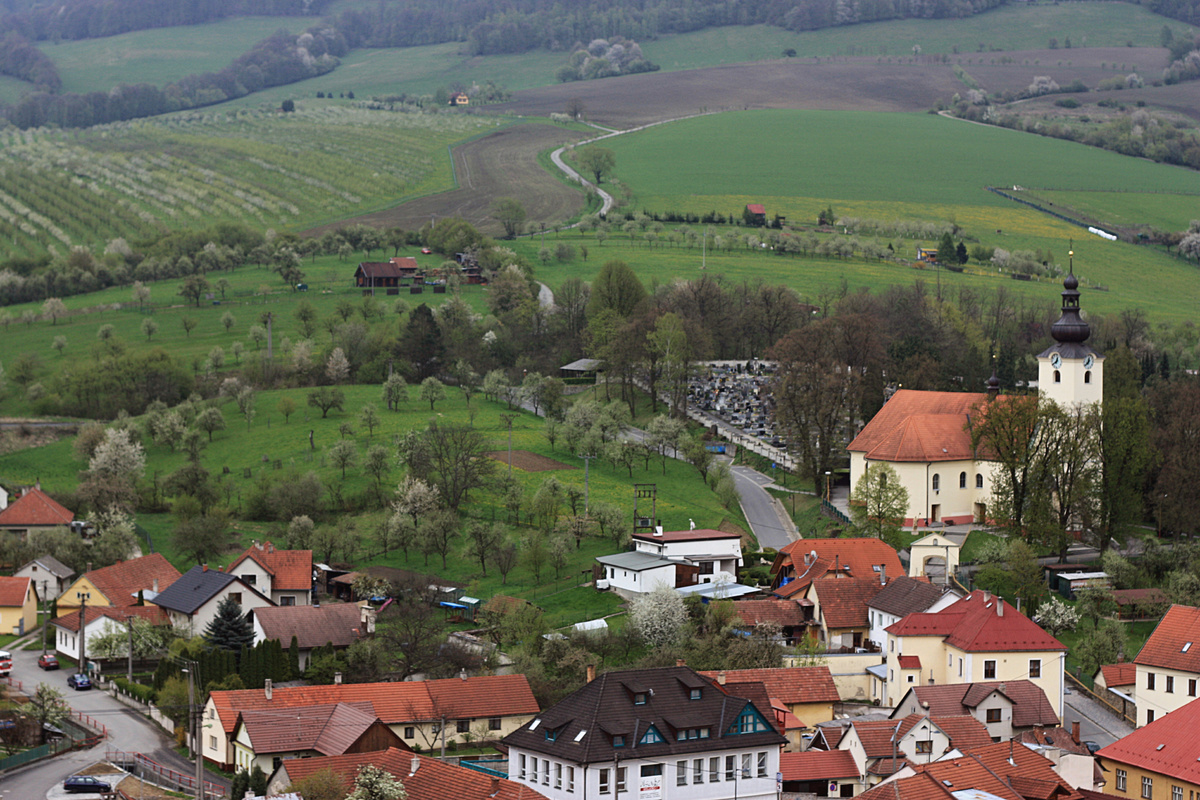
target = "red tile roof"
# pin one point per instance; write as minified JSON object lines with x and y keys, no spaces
{"x":1175,"y":643}
{"x":329,"y":729}
{"x":151,"y":613}
{"x":697,"y":535}
{"x":13,"y":591}
{"x":1123,"y":674}
{"x":876,"y":734}
{"x":816,"y":765}
{"x":121,"y":582}
{"x":290,"y":570}
{"x":338,"y":624}
{"x":1166,"y":746}
{"x":964,"y":731}
{"x":918,"y":787}
{"x":431,"y":779}
{"x":35,"y":507}
{"x":855,"y":558}
{"x":979,"y":623}
{"x":1035,"y":772}
{"x":783,"y":613}
{"x":1131,"y":597}
{"x":969,"y":773}
{"x":920,"y":426}
{"x":409,"y":701}
{"x":1030,"y":706}
{"x":756,"y":208}
{"x":792,"y":685}
{"x":910,"y":662}
{"x":844,"y":601}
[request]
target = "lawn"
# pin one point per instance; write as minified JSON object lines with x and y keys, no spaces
{"x":1170,"y":212}
{"x":1137,"y":632}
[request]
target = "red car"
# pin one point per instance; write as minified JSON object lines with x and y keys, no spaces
{"x":426,"y":251}
{"x":48,"y":661}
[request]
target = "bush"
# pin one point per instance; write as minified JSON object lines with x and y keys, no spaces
{"x":1067,"y":102}
{"x":144,"y":693}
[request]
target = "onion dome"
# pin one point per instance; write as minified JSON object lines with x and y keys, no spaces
{"x":1070,"y":328}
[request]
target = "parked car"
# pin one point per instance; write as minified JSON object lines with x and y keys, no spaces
{"x":1092,"y":747}
{"x":5,"y":662}
{"x":79,"y":682}
{"x":48,"y":661}
{"x":426,"y":251}
{"x":86,"y":783}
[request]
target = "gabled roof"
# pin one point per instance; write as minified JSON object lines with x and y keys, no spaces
{"x":816,"y":765}
{"x":379,"y":269}
{"x":909,"y":662}
{"x":904,"y":595}
{"x":756,"y":208}
{"x":1122,"y":674}
{"x":329,"y":729}
{"x":1166,"y":746}
{"x":52,"y":565}
{"x":792,"y":685}
{"x":920,"y":426}
{"x":152,"y":614}
{"x":121,"y":582}
{"x":1028,"y":772}
{"x":697,"y":535}
{"x":1030,"y":706}
{"x":408,"y":701}
{"x":1131,"y":597}
{"x":35,"y":507}
{"x":969,"y":773}
{"x":339,"y":624}
{"x":1175,"y":642}
{"x":848,"y":557}
{"x":965,"y":732}
{"x":290,"y":570}
{"x":783,"y":613}
{"x":1057,"y":737}
{"x":918,"y":787}
{"x":583,"y":726}
{"x":980,"y":623}
{"x":844,"y":601}
{"x":13,"y":591}
{"x":636,"y":561}
{"x":423,"y":778}
{"x":876,"y":734}
{"x":196,"y":587}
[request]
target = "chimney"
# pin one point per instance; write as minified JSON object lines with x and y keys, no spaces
{"x":89,"y":567}
{"x":987,"y":597}
{"x":495,"y":785}
{"x":416,"y":764}
{"x":1075,"y":731}
{"x":205,"y":569}
{"x":270,"y":547}
{"x":154,"y":586}
{"x":462,"y":673}
{"x":1120,"y":656}
{"x":367,"y":619}
{"x":591,"y":672}
{"x":337,"y":679}
{"x":679,"y":662}
{"x":267,"y":688}
{"x":999,"y":607}
{"x":883,"y":574}
{"x":721,"y":677}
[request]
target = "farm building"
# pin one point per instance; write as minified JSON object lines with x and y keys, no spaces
{"x":755,"y":214}
{"x":459,"y":99}
{"x":389,"y":275}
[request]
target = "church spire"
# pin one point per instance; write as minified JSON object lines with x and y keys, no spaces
{"x":1071,"y":327}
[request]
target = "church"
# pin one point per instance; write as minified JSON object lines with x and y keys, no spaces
{"x":925,"y":436}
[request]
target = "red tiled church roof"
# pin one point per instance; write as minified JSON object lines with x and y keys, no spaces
{"x":920,"y":426}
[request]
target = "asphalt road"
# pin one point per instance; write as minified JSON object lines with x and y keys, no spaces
{"x":1096,"y":723}
{"x":771,"y":527}
{"x":127,"y":730}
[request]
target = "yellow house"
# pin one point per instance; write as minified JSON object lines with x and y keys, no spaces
{"x":18,"y":605}
{"x":979,"y":638}
{"x":1157,"y":761}
{"x":119,"y":584}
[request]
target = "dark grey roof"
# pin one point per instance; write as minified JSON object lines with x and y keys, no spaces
{"x":581,"y":727}
{"x":195,"y":588}
{"x":905,"y":595}
{"x":1070,"y":350}
{"x":636,"y":561}
{"x":53,"y":566}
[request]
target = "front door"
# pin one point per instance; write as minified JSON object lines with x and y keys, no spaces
{"x":980,"y":513}
{"x":935,"y":513}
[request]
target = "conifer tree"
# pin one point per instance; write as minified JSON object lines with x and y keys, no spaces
{"x":294,"y":659}
{"x":258,"y":781}
{"x":229,"y":630}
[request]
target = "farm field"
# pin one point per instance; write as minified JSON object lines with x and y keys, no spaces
{"x":1168,"y":212}
{"x":289,"y":172}
{"x":161,"y":55}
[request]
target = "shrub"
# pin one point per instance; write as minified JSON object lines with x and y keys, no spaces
{"x":1067,"y":102}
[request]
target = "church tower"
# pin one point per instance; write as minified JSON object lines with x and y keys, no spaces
{"x":1069,"y":372}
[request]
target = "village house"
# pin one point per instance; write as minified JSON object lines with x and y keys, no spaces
{"x":459,"y":99}
{"x":977,"y":639}
{"x":1116,"y":684}
{"x":637,"y":732}
{"x":191,"y":602}
{"x":18,"y":605}
{"x":120,"y":584}
{"x":807,"y":692}
{"x":1004,"y":770}
{"x":823,"y":773}
{"x":339,"y":625}
{"x":50,"y":575}
{"x":803,"y":561}
{"x":423,"y":778}
{"x":98,"y":621}
{"x":1168,"y":665}
{"x":422,"y":713}
{"x":388,"y":275}
{"x":1158,"y":761}
{"x":1005,"y":709}
{"x":265,"y":739}
{"x":1073,"y":762}
{"x":675,"y":559}
{"x":882,"y":747}
{"x":785,"y":615}
{"x":899,"y":598}
{"x":285,"y":576}
{"x":34,"y":510}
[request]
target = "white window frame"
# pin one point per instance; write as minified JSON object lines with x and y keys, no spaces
{"x":1147,"y":787}
{"x":681,"y":773}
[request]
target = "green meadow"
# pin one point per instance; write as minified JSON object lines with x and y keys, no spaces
{"x":1170,"y":212}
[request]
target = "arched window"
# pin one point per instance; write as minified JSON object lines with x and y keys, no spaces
{"x":978,"y":480}
{"x":962,"y":480}
{"x":1087,"y":376}
{"x":1057,"y":376}
{"x":937,"y":481}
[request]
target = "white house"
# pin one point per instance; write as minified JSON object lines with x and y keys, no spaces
{"x":631,"y":572}
{"x":899,"y":598}
{"x":714,"y":552}
{"x":100,"y":620}
{"x":49,"y":575}
{"x":191,"y":602}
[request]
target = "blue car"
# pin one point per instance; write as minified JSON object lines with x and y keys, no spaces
{"x":85,"y":783}
{"x":79,"y":682}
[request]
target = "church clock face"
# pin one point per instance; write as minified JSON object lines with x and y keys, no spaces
{"x":1056,"y":361}
{"x":1088,"y":362}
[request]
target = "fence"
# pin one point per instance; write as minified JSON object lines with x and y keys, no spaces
{"x":150,"y":771}
{"x":77,"y":736}
{"x":1080,"y":686}
{"x":835,"y":513}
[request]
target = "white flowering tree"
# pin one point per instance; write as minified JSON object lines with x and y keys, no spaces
{"x":659,"y":616}
{"x":1056,"y":616}
{"x":375,"y":783}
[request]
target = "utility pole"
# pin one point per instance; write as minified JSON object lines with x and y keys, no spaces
{"x":83,"y":598}
{"x":587,"y":463}
{"x":194,"y":724}
{"x":509,"y":418}
{"x":45,"y":617}
{"x":129,"y":671}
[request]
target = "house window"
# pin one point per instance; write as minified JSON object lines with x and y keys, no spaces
{"x":1087,"y":377}
{"x":521,"y":764}
{"x":545,"y":772}
{"x":463,"y":726}
{"x":962,"y":480}
{"x":937,"y":481}
{"x":1149,"y":680}
{"x":1122,"y":777}
{"x":960,"y":668}
{"x":618,"y":741}
{"x":925,"y":746}
{"x":978,"y":480}
{"x":639,"y":699}
{"x":993,"y":715}
{"x":1191,"y":687}
{"x":287,"y":600}
{"x":989,"y":670}
{"x":558,"y":776}
{"x":551,"y":735}
{"x":762,"y":765}
{"x":212,"y":743}
{"x":570,"y":779}
{"x":410,"y":732}
{"x":714,"y":770}
{"x":651,"y":736}
{"x":694,"y":694}
{"x":621,"y":778}
{"x":730,"y":767}
{"x":1149,"y":716}
{"x":1147,"y":787}
{"x":698,"y":771}
{"x":745,"y":765}
{"x":1170,"y":684}
{"x":912,"y":678}
{"x":950,"y":659}
{"x":681,"y":773}
{"x":1176,"y":793}
{"x":533,"y":772}
{"x":651,"y":770}
{"x":1035,"y":668}
{"x":891,"y":645}
{"x":236,"y":596}
{"x":1057,"y":376}
{"x":250,"y":579}
{"x":605,"y":786}
{"x":494,"y":724}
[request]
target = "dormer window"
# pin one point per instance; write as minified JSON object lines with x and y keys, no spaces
{"x":639,"y":699}
{"x":694,"y":694}
{"x":618,"y":741}
{"x":651,"y":736}
{"x":551,"y":735}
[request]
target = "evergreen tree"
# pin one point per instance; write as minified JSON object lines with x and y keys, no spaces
{"x":962,"y":253}
{"x":241,"y":782}
{"x":258,"y":781}
{"x":294,"y":659}
{"x":230,"y":630}
{"x":946,"y":252}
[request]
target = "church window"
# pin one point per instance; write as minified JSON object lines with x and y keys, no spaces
{"x":978,"y":480}
{"x":937,"y":481}
{"x":962,"y":480}
{"x":1057,"y":376}
{"x":1087,"y":377}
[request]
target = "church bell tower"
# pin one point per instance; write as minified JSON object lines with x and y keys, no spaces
{"x":1069,"y":372}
